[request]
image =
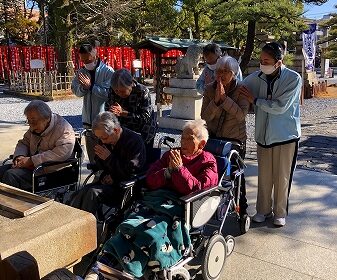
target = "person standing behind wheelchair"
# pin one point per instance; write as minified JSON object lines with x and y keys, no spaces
{"x":130,"y":101}
{"x":277,"y":92}
{"x":120,"y":154}
{"x":92,"y":82}
{"x":49,"y":138}
{"x":224,"y":108}
{"x":211,"y":52}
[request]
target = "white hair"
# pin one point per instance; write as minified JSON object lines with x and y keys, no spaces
{"x":105,"y":121}
{"x":229,"y":63}
{"x":40,"y":107}
{"x":199,"y":129}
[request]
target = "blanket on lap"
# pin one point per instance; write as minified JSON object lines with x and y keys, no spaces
{"x":153,"y":235}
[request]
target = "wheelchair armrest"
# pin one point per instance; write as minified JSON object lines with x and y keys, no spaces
{"x":7,"y":159}
{"x":130,"y":183}
{"x":198,"y":194}
{"x":93,"y":167}
{"x":54,"y":163}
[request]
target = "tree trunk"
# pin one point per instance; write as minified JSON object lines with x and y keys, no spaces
{"x":249,"y":45}
{"x":197,"y":34}
{"x":64,"y":47}
{"x":59,"y":12}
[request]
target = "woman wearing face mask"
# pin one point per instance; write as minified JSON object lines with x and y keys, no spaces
{"x":276,"y":90}
{"x":224,"y":108}
{"x":211,"y":53}
{"x":92,"y":82}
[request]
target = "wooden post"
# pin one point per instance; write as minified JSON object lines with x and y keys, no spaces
{"x":158,"y":83}
{"x":303,"y":71}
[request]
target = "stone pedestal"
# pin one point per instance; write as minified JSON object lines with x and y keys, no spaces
{"x":186,"y":103}
{"x":56,"y":236}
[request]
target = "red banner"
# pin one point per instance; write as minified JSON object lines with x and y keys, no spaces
{"x":116,"y":57}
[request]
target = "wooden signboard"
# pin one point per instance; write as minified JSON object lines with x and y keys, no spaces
{"x":21,"y":203}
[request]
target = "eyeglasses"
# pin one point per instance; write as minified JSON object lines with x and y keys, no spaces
{"x":32,"y":121}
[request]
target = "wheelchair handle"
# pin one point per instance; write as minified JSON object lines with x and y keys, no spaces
{"x":167,"y":141}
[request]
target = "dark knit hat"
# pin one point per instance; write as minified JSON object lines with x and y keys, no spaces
{"x":274,"y":49}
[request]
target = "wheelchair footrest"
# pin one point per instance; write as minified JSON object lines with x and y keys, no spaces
{"x":112,"y":273}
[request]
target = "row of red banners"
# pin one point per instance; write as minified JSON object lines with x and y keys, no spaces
{"x":18,"y":58}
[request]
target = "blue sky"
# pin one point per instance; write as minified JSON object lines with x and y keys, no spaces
{"x":317,"y":12}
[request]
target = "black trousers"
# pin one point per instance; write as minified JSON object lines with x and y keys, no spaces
{"x":92,"y":196}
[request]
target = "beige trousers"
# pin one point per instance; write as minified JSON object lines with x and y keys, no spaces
{"x":276,"y":166}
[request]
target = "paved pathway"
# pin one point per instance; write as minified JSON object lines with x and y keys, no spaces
{"x":306,"y":248}
{"x":318,"y":145}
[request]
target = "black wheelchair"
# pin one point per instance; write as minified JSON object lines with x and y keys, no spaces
{"x":55,"y":179}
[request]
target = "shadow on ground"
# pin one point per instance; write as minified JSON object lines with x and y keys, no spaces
{"x":318,"y":152}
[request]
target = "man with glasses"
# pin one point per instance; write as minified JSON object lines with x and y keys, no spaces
{"x":49,"y":138}
{"x":120,"y":154}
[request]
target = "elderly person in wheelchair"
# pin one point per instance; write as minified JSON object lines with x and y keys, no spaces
{"x":154,"y":235}
{"x":50,"y":138}
{"x":120,"y":154}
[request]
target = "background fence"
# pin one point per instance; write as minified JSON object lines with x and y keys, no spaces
{"x":38,"y":83}
{"x":17,"y":58}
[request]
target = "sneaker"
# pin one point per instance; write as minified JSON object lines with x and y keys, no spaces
{"x":279,"y":221}
{"x":260,"y":218}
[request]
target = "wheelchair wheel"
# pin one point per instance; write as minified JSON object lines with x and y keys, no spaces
{"x":181,"y":274}
{"x":60,"y":274}
{"x":244,"y":223}
{"x":214,"y":258}
{"x":230,"y":244}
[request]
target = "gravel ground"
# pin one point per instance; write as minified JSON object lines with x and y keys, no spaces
{"x":318,"y":145}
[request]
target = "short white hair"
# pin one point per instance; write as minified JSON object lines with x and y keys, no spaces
{"x":199,"y":129}
{"x":105,"y":121}
{"x":40,"y":107}
{"x":229,"y":63}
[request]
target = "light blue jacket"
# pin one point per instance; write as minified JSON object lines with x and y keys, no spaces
{"x":277,"y":120}
{"x":94,"y":99}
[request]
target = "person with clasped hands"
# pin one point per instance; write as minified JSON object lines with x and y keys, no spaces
{"x":276,"y":94}
{"x":92,"y":82}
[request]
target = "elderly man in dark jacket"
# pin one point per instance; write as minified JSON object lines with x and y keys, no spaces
{"x":121,"y":154}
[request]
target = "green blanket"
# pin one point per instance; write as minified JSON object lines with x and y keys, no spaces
{"x":153,"y":235}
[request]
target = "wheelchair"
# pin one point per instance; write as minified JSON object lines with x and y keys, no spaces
{"x":54,"y":179}
{"x":202,"y":208}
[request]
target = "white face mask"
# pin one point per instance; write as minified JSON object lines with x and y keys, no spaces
{"x":90,"y":66}
{"x":268,"y":69}
{"x":211,"y":66}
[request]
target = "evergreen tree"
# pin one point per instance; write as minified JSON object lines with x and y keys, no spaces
{"x":331,"y":51}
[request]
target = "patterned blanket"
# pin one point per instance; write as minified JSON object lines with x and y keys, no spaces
{"x":153,"y":235}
